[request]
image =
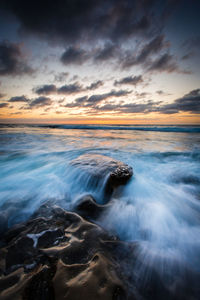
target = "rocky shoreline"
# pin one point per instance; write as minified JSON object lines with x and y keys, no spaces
{"x":59,"y":254}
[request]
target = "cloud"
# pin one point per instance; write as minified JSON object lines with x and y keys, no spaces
{"x":12,"y":61}
{"x":162,"y":93}
{"x":132,"y":80}
{"x":188,"y":103}
{"x":69,"y":89}
{"x":73,"y":55}
{"x":105,"y":53}
{"x":84,"y":19}
{"x":134,"y":107}
{"x":46,"y":89}
{"x":60,"y":77}
{"x":40,"y":102}
{"x":151,"y":48}
{"x":165,"y":62}
{"x":95,"y":85}
{"x":93,"y":100}
{"x":2,"y":105}
{"x":18,"y":99}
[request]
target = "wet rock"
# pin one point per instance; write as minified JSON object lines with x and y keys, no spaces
{"x":102,"y":170}
{"x":88,"y":208}
{"x":59,"y":257}
{"x":3,"y":224}
{"x":40,"y":285}
{"x":94,"y":280}
{"x":63,"y":256}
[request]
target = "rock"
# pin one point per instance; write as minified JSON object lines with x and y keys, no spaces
{"x":88,"y":208}
{"x":3,"y":224}
{"x":104,"y":171}
{"x":61,"y":256}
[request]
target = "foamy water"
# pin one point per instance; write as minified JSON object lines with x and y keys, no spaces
{"x":160,"y":206}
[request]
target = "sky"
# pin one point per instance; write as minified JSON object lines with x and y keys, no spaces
{"x":100,"y":61}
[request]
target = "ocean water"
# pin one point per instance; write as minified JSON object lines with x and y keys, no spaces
{"x":159,"y":208}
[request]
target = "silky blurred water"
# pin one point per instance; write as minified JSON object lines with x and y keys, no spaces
{"x":160,"y":206}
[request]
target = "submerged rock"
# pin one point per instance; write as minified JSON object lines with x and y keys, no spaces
{"x":103,"y":170}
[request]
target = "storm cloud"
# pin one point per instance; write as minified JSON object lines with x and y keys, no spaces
{"x":83,"y":19}
{"x":73,"y":55}
{"x":12,"y":61}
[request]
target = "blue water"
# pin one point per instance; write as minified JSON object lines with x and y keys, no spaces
{"x":159,"y":208}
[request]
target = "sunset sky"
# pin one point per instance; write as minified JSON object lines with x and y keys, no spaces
{"x":100,"y":61}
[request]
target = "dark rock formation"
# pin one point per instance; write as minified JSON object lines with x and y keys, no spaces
{"x":61,"y":256}
{"x":103,"y":170}
{"x":89,"y":209}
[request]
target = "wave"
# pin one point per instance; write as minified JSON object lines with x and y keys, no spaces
{"x":160,"y":128}
{"x":192,"y":129}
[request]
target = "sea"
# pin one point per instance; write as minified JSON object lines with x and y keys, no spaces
{"x":159,"y":208}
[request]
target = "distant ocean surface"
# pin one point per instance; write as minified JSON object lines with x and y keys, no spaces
{"x":159,"y":207}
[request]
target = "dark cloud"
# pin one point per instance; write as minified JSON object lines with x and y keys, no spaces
{"x":46,"y":89}
{"x":2,"y":105}
{"x":95,"y":85}
{"x":132,"y":80}
{"x":69,"y":89}
{"x":40,"y":102}
{"x":12,"y":61}
{"x":84,"y":19}
{"x":105,"y":53}
{"x":166,"y":63}
{"x":81,"y":100}
{"x":95,"y":99}
{"x":151,"y":48}
{"x":145,"y":107}
{"x":19,"y":99}
{"x":188,"y":103}
{"x":73,"y":55}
